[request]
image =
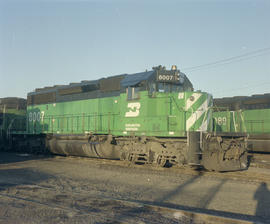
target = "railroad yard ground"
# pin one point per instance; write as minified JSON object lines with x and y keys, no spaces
{"x":56,"y":189}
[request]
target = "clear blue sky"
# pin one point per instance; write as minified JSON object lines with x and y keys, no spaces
{"x":44,"y":43}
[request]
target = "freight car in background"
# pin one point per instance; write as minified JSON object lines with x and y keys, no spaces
{"x":246,"y":114}
{"x":12,"y":117}
{"x":149,"y":117}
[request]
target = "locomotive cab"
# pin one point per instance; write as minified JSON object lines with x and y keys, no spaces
{"x":171,"y":80}
{"x":158,"y":80}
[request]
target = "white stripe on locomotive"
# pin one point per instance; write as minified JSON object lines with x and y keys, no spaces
{"x":208,"y":113}
{"x":197,"y":114}
{"x":192,"y":99}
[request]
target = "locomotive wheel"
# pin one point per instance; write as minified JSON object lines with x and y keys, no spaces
{"x":131,"y":158}
{"x":161,"y":161}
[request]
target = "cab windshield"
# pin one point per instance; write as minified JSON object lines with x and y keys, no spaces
{"x":168,"y":87}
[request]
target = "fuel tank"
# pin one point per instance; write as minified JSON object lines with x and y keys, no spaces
{"x":77,"y":145}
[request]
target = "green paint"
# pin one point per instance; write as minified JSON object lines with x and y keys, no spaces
{"x":247,"y":121}
{"x":161,"y":115}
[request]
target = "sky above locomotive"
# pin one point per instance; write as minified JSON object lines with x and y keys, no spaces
{"x":44,"y":43}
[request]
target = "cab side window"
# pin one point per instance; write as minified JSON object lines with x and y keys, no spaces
{"x":164,"y":87}
{"x":152,"y":88}
{"x":161,"y":88}
{"x":133,"y":93}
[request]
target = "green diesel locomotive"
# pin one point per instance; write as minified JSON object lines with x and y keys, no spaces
{"x":150,"y":117}
{"x":245,"y":114}
{"x":12,"y":118}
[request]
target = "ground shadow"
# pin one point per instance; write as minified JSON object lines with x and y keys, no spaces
{"x":12,"y":181}
{"x":139,"y":211}
{"x":21,"y":176}
{"x":262,"y":195}
{"x":121,"y":217}
{"x":12,"y":157}
{"x":205,"y":200}
{"x":177,"y":190}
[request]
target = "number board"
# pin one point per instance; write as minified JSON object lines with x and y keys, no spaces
{"x":167,"y":77}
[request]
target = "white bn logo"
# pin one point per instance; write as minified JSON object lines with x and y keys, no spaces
{"x":134,"y":109}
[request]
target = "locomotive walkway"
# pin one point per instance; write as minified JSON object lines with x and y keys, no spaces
{"x":82,"y":190}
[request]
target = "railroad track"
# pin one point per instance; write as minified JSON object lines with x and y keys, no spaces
{"x":136,"y":208}
{"x":64,"y":186}
{"x":261,"y":160}
{"x":250,"y":175}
